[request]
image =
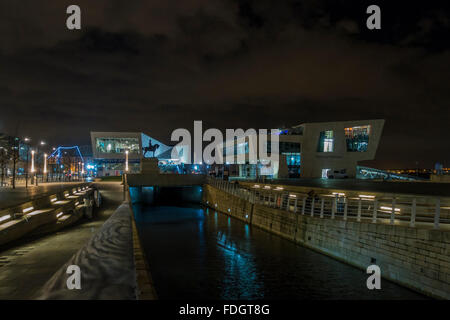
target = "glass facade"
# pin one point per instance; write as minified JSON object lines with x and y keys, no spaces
{"x":293,"y":163}
{"x":292,"y":159}
{"x":357,"y":138}
{"x":117,"y":145}
{"x":116,"y":168}
{"x":326,"y":141}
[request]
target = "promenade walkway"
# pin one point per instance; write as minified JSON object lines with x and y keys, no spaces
{"x":26,"y":266}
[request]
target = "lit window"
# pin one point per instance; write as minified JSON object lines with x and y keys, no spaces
{"x":357,"y":138}
{"x":117,"y":145}
{"x":326,"y":141}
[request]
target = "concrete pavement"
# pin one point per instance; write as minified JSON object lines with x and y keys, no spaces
{"x":27,"y":266}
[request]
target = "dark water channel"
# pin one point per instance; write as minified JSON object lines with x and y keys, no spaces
{"x":195,"y":252}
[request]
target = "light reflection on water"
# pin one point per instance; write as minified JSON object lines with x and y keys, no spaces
{"x":199,"y":253}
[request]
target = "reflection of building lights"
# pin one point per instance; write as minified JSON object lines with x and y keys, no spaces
{"x":59,"y":214}
{"x":366,"y":196}
{"x":292,"y":196}
{"x":126,"y":160}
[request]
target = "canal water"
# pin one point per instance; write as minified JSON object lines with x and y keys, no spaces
{"x":197,"y":253}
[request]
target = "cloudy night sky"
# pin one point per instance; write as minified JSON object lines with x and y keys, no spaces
{"x":154,"y":66}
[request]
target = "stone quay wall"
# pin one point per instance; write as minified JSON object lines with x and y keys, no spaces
{"x":413,"y":257}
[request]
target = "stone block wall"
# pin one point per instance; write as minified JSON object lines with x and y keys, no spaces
{"x":413,"y":257}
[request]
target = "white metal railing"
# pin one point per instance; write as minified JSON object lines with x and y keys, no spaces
{"x":389,"y":209}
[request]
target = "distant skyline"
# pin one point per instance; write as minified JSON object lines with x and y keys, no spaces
{"x":154,"y":66}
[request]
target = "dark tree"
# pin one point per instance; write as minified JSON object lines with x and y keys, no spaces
{"x":14,"y":143}
{"x":4,"y":158}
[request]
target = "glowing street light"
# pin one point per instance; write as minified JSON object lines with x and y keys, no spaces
{"x":32,"y":161}
{"x":45,"y":163}
{"x":126,"y":160}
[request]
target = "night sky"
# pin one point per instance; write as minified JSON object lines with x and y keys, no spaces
{"x":155,"y":66}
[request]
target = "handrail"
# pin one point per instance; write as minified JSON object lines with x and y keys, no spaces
{"x":394,"y":210}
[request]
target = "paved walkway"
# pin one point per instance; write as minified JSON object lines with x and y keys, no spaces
{"x":10,"y":197}
{"x":27,"y":266}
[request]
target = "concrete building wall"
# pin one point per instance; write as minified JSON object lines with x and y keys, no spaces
{"x":313,"y":161}
{"x":416,"y":258}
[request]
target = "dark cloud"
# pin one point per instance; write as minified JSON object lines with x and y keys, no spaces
{"x":156,"y":66}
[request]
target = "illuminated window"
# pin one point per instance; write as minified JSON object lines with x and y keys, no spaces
{"x":292,"y":158}
{"x":325,"y":173}
{"x":117,"y":145}
{"x":326,"y":141}
{"x":357,"y":138}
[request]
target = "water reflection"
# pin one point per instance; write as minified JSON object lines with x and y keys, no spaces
{"x":243,"y":281}
{"x":193,"y":253}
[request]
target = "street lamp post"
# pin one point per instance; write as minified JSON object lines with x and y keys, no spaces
{"x":26,"y":171}
{"x":32,"y":163}
{"x":42,"y":143}
{"x":45,"y":167}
